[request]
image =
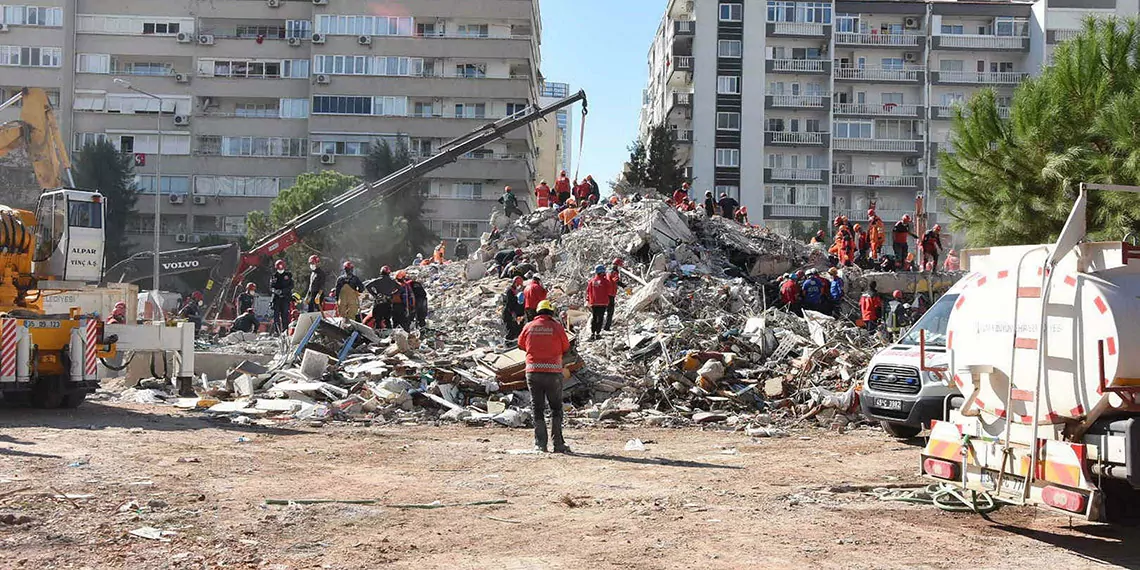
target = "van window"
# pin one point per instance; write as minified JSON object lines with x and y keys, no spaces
{"x":934,"y":322}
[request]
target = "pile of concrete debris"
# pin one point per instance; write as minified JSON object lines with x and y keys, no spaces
{"x":695,"y":338}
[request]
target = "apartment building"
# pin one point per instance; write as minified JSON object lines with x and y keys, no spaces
{"x":808,"y":110}
{"x":555,"y":149}
{"x":252,"y":93}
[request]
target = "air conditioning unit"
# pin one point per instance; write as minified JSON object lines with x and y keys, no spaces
{"x":318,"y":38}
{"x":177,"y":198}
{"x":205,"y":40}
{"x":181,"y":120}
{"x":273,"y":3}
{"x":199,"y":200}
{"x":3,"y":27}
{"x":182,"y":77}
{"x":328,"y":159}
{"x":320,"y":2}
{"x":364,"y":40}
{"x":294,"y":42}
{"x":910,"y":23}
{"x":910,"y":57}
{"x":184,"y":38}
{"x":910,"y":161}
{"x":180,"y":238}
{"x":322,"y":79}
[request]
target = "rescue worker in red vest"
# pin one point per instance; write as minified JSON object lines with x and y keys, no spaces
{"x":615,"y":276}
{"x":118,"y":314}
{"x":562,"y":189}
{"x":582,"y":193}
{"x":901,"y":234}
{"x":598,"y":291}
{"x":790,"y":291}
{"x":931,"y":246}
{"x":542,"y":195}
{"x":681,"y":194}
{"x":870,"y":307}
{"x":545,"y":343}
{"x":862,"y":244}
{"x":532,"y":296}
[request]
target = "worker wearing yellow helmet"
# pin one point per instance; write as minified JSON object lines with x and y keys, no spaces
{"x":545,"y":342}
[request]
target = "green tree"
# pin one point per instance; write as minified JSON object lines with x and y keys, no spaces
{"x":311,"y":189}
{"x":1013,"y":180}
{"x":662,"y":170}
{"x":398,"y":224}
{"x":99,"y":166}
{"x":635,"y":168}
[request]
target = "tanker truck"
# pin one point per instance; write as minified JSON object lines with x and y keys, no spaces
{"x":1041,"y":383}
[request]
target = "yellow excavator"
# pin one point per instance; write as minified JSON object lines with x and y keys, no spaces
{"x":37,"y":131}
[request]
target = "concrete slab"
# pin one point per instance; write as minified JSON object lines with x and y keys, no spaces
{"x":214,"y":365}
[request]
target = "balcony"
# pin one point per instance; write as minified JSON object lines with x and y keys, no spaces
{"x":876,"y":181}
{"x":880,"y":110}
{"x":785,"y":211}
{"x":878,"y":145}
{"x":797,"y":29}
{"x":906,"y":40}
{"x":683,"y":33}
{"x":979,"y":77}
{"x":946,"y":112}
{"x":794,"y":138}
{"x":794,"y":175}
{"x":681,"y":69}
{"x":797,"y":66}
{"x":682,"y":99}
{"x":796,"y":101}
{"x":684,"y":27}
{"x":1058,"y":36}
{"x":860,"y":214}
{"x":684,"y":136}
{"x":911,"y":74}
{"x":981,"y":42}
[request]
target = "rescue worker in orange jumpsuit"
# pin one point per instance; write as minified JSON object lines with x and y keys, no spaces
{"x":876,"y":233}
{"x":542,"y":195}
{"x":819,"y":237}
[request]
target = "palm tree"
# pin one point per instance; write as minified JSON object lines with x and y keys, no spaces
{"x":1014,"y":180}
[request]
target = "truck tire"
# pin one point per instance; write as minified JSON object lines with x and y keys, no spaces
{"x":900,"y":431}
{"x":46,"y":399}
{"x":73,"y":399}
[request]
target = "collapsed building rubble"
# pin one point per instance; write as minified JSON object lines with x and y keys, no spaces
{"x":696,"y":339}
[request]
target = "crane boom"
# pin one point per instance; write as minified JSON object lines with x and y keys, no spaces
{"x":357,"y":199}
{"x":38,"y":130}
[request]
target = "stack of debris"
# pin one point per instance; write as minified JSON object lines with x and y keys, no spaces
{"x":695,"y":339}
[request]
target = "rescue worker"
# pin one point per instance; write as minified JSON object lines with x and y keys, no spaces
{"x":681,"y":194}
{"x":582,"y":192}
{"x":900,"y":235}
{"x":896,"y":315}
{"x":568,"y":215}
{"x":598,"y":298}
{"x":192,"y":310}
{"x":562,"y":189}
{"x":504,"y":257}
{"x":931,"y":246}
{"x":812,"y":291}
{"x":545,"y":342}
{"x":790,"y":293}
{"x":876,"y":233}
{"x":819,"y":238}
{"x":513,"y":313}
{"x":246,"y":322}
{"x":420,"y":297}
{"x":710,"y":204}
{"x":246,"y":298}
{"x":542,"y":195}
{"x":615,"y":277}
{"x":533,"y":294}
{"x":742,"y":215}
{"x":382,"y":289}
{"x":835,"y":290}
{"x":315,"y":293}
{"x":281,"y":285}
{"x":595,"y":190}
{"x":951,"y":263}
{"x":118,"y":314}
{"x":862,"y":244}
{"x":461,"y":252}
{"x":727,"y":206}
{"x":403,"y":303}
{"x":440,"y":252}
{"x":347,"y":292}
{"x":510,"y":203}
{"x":870,"y":307}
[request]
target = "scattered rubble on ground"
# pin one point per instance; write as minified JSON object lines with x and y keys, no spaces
{"x":695,"y":341}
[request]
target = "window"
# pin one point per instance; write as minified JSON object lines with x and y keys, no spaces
{"x":259,"y":186}
{"x":84,"y":139}
{"x":1001,"y":66}
{"x":895,"y":63}
{"x":428,"y":30}
{"x":470,"y":110}
{"x":781,"y":195}
{"x":812,"y":125}
{"x":170,"y":184}
{"x":728,"y":85}
{"x":131,"y":103}
{"x":148,"y":143}
{"x":368,"y":65}
{"x":728,"y":157}
{"x":92,"y":63}
{"x":144,"y":68}
{"x":256,"y":31}
{"x":263,"y":110}
{"x":730,"y":48}
{"x":469,"y":190}
{"x":515,"y":108}
{"x":948,"y":99}
{"x":364,"y":25}
{"x":775,"y":125}
{"x":952,"y":29}
{"x":422,"y":147}
{"x":731,"y":12}
{"x":341,"y":105}
{"x":301,"y":29}
{"x":31,"y":16}
{"x":295,"y":68}
{"x":390,"y":106}
{"x":293,"y":108}
{"x":253,"y":146}
{"x":891,"y":98}
{"x":132,"y":25}
{"x":853,"y":129}
{"x":728,"y":121}
{"x":253,"y":68}
{"x":20,"y":56}
{"x":423,"y":109}
{"x":160,"y":28}
{"x":951,"y":65}
{"x":473,"y":30}
{"x":847,"y":24}
{"x":471,"y":70}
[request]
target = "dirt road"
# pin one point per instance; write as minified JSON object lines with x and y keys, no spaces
{"x":693,"y":499}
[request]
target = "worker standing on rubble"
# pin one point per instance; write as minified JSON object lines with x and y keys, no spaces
{"x":542,"y":195}
{"x":742,"y":216}
{"x":562,"y":188}
{"x":710,"y":204}
{"x":532,"y":296}
{"x":598,"y":298}
{"x":931,"y":246}
{"x":870,"y":307}
{"x":582,"y":192}
{"x":118,"y":314}
{"x":403,"y":303}
{"x":281,"y":285}
{"x":819,"y":238}
{"x":595,"y":190}
{"x":835,"y":291}
{"x":420,"y":298}
{"x":680,"y":195}
{"x":901,"y":234}
{"x":545,"y":342}
{"x":192,"y":310}
{"x":876,"y":233}
{"x":568,"y":215}
{"x":245,"y":298}
{"x":728,"y":206}
{"x":812,"y":291}
{"x":513,"y":313}
{"x":790,"y":293}
{"x":315,"y":293}
{"x":383,"y":289}
{"x":896,"y":315}
{"x":440,"y":252}
{"x":862,"y":244}
{"x":461,"y":252}
{"x":615,"y":277}
{"x":510,"y":203}
{"x":347,"y":292}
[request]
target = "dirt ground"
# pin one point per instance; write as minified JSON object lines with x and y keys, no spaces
{"x":693,"y":499}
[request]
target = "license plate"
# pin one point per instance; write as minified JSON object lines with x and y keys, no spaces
{"x":32,"y":324}
{"x":887,"y":404}
{"x":1009,"y":483}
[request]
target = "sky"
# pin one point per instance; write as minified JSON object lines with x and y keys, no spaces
{"x":600,"y":46}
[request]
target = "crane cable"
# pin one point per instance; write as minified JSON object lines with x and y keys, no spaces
{"x":581,"y":141}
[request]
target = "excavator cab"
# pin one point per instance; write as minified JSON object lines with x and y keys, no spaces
{"x":69,"y":236}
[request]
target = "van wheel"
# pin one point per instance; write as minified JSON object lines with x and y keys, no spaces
{"x":900,"y":431}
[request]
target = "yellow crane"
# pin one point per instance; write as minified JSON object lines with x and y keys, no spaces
{"x":37,"y":131}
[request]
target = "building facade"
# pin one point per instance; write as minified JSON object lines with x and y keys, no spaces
{"x":253,"y":93}
{"x":555,"y":143}
{"x":808,"y":110}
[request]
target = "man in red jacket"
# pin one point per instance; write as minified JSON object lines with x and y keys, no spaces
{"x":790,"y":292}
{"x":542,"y":195}
{"x":615,"y":277}
{"x":680,"y":195}
{"x":562,"y":188}
{"x":598,"y":298}
{"x":870,"y":307}
{"x":532,"y":296}
{"x":545,"y":343}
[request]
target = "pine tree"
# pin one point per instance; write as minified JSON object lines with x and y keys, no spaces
{"x":663,"y":172}
{"x":635,"y":168}
{"x":99,"y":166}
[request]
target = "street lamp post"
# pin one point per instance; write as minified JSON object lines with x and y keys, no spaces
{"x":157,"y":181}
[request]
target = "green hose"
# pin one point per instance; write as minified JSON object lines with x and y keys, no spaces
{"x":944,"y":496}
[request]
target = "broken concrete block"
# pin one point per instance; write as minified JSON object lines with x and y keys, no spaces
{"x":244,"y":385}
{"x":707,"y":417}
{"x":314,"y":364}
{"x":456,"y":415}
{"x":774,"y":388}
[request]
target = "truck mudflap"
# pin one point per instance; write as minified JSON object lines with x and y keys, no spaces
{"x":961,"y":454}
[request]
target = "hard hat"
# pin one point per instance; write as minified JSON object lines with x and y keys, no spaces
{"x":542,"y":182}
{"x":198,"y":295}
{"x":708,"y":193}
{"x":571,"y":201}
{"x":870,"y":212}
{"x":251,"y":286}
{"x":800,"y":274}
{"x":819,"y":233}
{"x":315,"y":259}
{"x":858,"y":227}
{"x":535,"y":277}
{"x":937,"y":228}
{"x":545,"y":305}
{"x":744,"y":209}
{"x":249,"y":310}
{"x":120,"y":305}
{"x":600,"y":269}
{"x":906,"y":218}
{"x":518,"y":281}
{"x":897,"y":294}
{"x":952,"y":252}
{"x":723,"y":195}
{"x":833,"y":271}
{"x":518,"y":251}
{"x":811,"y":272}
{"x":401,"y":274}
{"x":838,"y":221}
{"x":385,"y":270}
{"x":280,"y":264}
{"x":685,"y":185}
{"x":589,"y":177}
{"x":349,"y":266}
{"x":506,"y":189}
{"x":562,"y":173}
{"x":619,"y":262}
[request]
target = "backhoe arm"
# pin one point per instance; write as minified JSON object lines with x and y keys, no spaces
{"x":38,"y":132}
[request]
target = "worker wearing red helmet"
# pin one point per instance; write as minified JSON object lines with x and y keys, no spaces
{"x":192,"y":310}
{"x":542,"y":195}
{"x":347,"y":292}
{"x":510,"y":203}
{"x":385,"y":292}
{"x":533,"y":294}
{"x":246,"y":298}
{"x":118,"y":314}
{"x":931,"y":247}
{"x":790,"y":292}
{"x":901,"y":234}
{"x":870,"y":307}
{"x":896,"y":319}
{"x":615,"y":278}
{"x":819,"y":238}
{"x":876,"y":233}
{"x":862,"y":242}
{"x":562,"y":189}
{"x":281,"y":285}
{"x":513,"y":314}
{"x":317,"y":277}
{"x":680,"y":195}
{"x":598,"y":290}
